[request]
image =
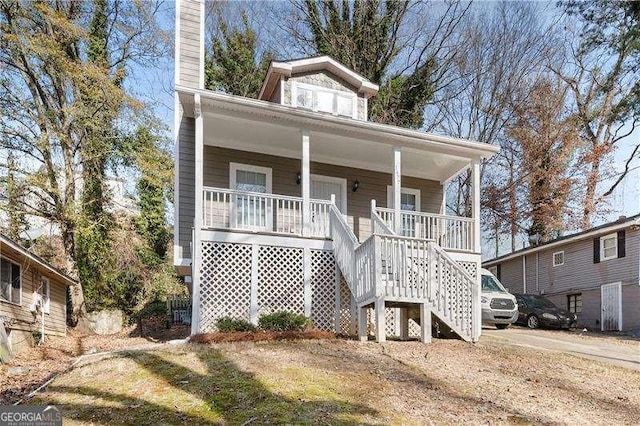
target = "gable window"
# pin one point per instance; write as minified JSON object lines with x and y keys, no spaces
{"x":10,"y":282}
{"x":558,"y":258}
{"x":324,"y":100}
{"x":45,"y":294}
{"x":574,"y":303}
{"x":609,"y":247}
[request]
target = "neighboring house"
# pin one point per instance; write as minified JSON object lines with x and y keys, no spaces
{"x":294,"y":201}
{"x":30,"y":286}
{"x":595,"y":274}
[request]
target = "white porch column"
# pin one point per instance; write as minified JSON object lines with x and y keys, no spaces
{"x":475,"y":204}
{"x":475,"y":214}
{"x":443,"y":207}
{"x":197,"y":218}
{"x":397,"y":188}
{"x":425,"y":323}
{"x":381,"y":323}
{"x":306,"y":184}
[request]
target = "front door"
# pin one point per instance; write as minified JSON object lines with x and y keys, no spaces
{"x":323,"y":186}
{"x":251,"y":211}
{"x":409,"y":201}
{"x":611,"y":301}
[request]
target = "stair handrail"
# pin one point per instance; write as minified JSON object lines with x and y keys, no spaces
{"x":468,"y":282}
{"x":378,"y":222}
{"x":344,"y":242}
{"x":466,"y":325}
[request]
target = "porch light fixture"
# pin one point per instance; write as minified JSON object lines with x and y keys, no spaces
{"x":356,"y":185}
{"x":298,"y":178}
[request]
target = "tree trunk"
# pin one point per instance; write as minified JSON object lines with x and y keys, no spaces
{"x":590,"y":194}
{"x":76,"y":292}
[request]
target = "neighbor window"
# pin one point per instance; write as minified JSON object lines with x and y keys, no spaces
{"x":45,"y":294}
{"x":574,"y":303}
{"x":558,"y":258}
{"x":609,"y":247}
{"x":325,"y":100}
{"x":10,"y":284}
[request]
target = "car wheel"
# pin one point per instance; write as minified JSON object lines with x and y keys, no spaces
{"x":501,"y":326}
{"x":533,"y":321}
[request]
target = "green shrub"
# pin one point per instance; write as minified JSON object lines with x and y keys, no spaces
{"x":283,"y":321}
{"x":229,"y":325}
{"x":152,"y":309}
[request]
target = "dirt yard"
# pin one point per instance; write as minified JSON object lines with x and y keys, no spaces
{"x":338,"y":381}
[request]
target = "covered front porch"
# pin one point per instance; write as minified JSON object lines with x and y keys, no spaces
{"x":291,"y":207}
{"x":260,"y":169}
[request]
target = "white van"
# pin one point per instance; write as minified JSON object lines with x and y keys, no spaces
{"x":499,"y":308}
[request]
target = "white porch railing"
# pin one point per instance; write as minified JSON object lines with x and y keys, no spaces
{"x":344,"y":245}
{"x":259,"y":212}
{"x":450,"y":232}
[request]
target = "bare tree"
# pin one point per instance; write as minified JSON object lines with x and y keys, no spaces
{"x":602,"y":74}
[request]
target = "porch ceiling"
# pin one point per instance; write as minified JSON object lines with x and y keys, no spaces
{"x":265,"y":129}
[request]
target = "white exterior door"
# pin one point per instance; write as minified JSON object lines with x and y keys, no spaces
{"x":323,"y":186}
{"x":611,"y":302}
{"x":251,"y":211}
{"x":409,"y":201}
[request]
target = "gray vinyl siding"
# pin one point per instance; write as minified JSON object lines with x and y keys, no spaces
{"x":189,"y":72}
{"x":326,"y":80}
{"x":511,"y":275}
{"x":19,"y":316}
{"x":530,"y":273}
{"x":631,"y":307}
{"x":373,"y":185}
{"x":580,"y":274}
{"x":185,"y":185}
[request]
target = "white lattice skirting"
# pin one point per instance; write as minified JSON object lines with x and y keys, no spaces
{"x":247,"y":280}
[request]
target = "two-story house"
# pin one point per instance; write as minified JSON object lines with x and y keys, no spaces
{"x":295,"y":201}
{"x":594,"y":274}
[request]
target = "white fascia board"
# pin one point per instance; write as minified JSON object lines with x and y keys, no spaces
{"x":608,"y":229}
{"x":364,"y":85}
{"x":275,"y":69}
{"x":392,"y":135}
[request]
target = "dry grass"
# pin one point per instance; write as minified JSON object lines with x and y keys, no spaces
{"x":344,"y":382}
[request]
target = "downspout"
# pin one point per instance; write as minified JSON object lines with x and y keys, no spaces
{"x":524,"y":273}
{"x":537,"y":272}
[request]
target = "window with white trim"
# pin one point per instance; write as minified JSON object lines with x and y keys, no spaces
{"x":10,"y":281}
{"x":409,"y":201}
{"x":251,"y":211}
{"x":558,"y":258}
{"x":574,"y":303}
{"x":609,"y":247}
{"x":321,"y":99}
{"x":45,"y":291}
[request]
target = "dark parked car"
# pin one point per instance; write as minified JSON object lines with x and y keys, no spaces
{"x":537,"y":311}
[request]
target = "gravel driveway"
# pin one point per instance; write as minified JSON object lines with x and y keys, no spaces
{"x":625,"y":353}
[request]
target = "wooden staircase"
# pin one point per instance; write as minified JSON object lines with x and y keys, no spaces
{"x":414,"y":274}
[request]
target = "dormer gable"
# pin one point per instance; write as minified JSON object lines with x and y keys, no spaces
{"x":320,"y":84}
